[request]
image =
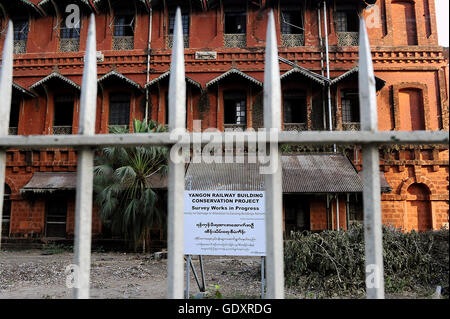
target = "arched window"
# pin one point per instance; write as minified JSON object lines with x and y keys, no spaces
{"x":6,"y":217}
{"x":119,"y":109}
{"x":404,"y":26}
{"x":124,"y":27}
{"x":56,"y":217}
{"x":235,"y":109}
{"x":294,"y":107}
{"x":350,"y":106}
{"x":411,"y":110}
{"x":185,"y":26}
{"x":418,"y":208}
{"x":21,"y":26}
{"x":63,"y":114}
{"x":14,"y":116}
{"x":69,"y":36}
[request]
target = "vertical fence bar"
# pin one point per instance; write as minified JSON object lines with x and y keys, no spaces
{"x":371,"y":172}
{"x":177,"y":113}
{"x":188,"y":263}
{"x":83,"y":206}
{"x":272,"y":121}
{"x":6,"y":77}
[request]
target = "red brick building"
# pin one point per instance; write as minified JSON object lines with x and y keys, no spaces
{"x":224,"y":55}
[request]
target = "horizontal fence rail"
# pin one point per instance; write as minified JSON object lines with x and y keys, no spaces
{"x":284,"y":137}
{"x":86,"y":142}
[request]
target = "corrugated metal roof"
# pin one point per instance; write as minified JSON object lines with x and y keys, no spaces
{"x":44,"y":182}
{"x":226,"y":176}
{"x":325,"y":173}
{"x":384,"y":185}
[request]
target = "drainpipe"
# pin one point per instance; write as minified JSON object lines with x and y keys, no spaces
{"x":147,"y":97}
{"x":337,"y":212}
{"x":347,"y":212}
{"x":325,"y":22}
{"x":321,"y":64}
{"x":328,"y":212}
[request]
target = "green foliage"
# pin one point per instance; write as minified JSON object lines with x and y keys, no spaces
{"x":54,"y":249}
{"x":332,"y":263}
{"x":121,"y":186}
{"x":214,"y":291}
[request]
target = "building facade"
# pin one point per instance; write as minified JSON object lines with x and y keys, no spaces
{"x":224,"y":54}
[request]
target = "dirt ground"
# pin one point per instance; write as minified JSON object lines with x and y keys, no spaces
{"x":36,"y":274}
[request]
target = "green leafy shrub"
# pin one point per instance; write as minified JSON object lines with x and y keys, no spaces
{"x":332,"y":263}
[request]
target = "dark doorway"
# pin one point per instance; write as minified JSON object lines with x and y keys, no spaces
{"x":6,"y":217}
{"x":235,"y":108}
{"x":56,"y":217}
{"x":63,"y":115}
{"x":297,"y":213}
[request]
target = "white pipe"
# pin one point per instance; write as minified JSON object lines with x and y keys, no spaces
{"x":148,"y":62}
{"x":320,"y":40}
{"x":337,"y":211}
{"x":321,"y":64}
{"x":325,"y":22}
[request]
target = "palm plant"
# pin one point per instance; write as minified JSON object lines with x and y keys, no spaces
{"x":122,"y":190}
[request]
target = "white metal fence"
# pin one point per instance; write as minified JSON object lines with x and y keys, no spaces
{"x":86,"y":141}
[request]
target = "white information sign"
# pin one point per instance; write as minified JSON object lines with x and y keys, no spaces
{"x":224,"y":223}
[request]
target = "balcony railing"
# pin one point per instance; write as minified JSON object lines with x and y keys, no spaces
{"x":123,"y":43}
{"x":348,"y":39}
{"x":234,"y":127}
{"x":351,"y":126}
{"x":69,"y":45}
{"x":20,"y":46}
{"x":292,"y":40}
{"x":296,"y":127}
{"x":62,"y":130}
{"x":235,"y":40}
{"x":170,"y":41}
{"x":12,"y":131}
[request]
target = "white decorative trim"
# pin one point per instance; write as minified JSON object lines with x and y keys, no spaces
{"x":234,"y":71}
{"x":345,"y":75}
{"x":22,"y":90}
{"x":120,"y":76}
{"x":379,"y":85}
{"x":58,"y":76}
{"x":44,"y":2}
{"x":166,"y":74}
{"x":30,"y":4}
{"x":96,"y":2}
{"x":307,"y":73}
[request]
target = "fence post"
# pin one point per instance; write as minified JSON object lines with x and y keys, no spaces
{"x":177,"y":112}
{"x":83,"y":206}
{"x":6,"y":77}
{"x":371,"y":172}
{"x":273,"y":182}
